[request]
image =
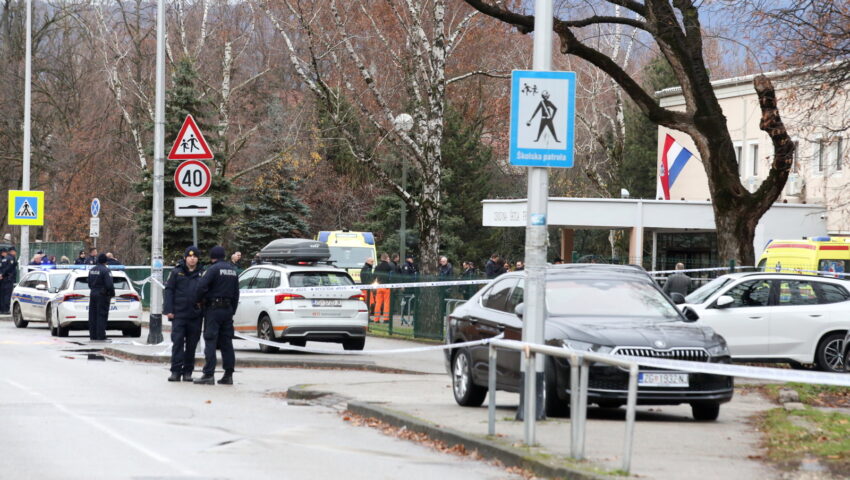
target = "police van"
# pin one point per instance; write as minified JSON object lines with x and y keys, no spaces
{"x":349,"y":250}
{"x":807,"y":256}
{"x":275,"y":301}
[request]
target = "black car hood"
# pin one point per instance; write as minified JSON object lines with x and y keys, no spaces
{"x":631,"y":332}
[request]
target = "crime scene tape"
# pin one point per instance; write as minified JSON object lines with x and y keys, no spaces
{"x":394,"y":351}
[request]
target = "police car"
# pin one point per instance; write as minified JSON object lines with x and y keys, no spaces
{"x":269,"y":307}
{"x":60,"y":298}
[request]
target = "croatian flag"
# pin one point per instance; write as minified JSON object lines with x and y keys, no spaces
{"x":673,"y":160}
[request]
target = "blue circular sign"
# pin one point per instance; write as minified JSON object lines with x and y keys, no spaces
{"x":95,"y":207}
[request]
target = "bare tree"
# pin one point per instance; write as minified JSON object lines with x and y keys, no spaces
{"x":384,"y":58}
{"x":674,"y":26}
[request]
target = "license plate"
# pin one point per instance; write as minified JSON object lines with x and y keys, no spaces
{"x":326,"y":303}
{"x":663,"y":379}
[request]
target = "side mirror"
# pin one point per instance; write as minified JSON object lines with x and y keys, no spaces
{"x":41,"y":286}
{"x":519,"y":310}
{"x":678,"y":298}
{"x":724,"y":301}
{"x":690,"y":314}
{"x":53,"y":290}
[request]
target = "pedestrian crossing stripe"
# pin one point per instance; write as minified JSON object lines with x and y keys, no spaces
{"x":26,"y":207}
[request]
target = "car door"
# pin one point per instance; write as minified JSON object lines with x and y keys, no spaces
{"x":39,"y":297}
{"x":24,"y":293}
{"x":489,"y":321}
{"x":509,"y":360}
{"x":745,"y":323}
{"x":245,"y":319}
{"x":262,"y":293}
{"x":795,"y":319}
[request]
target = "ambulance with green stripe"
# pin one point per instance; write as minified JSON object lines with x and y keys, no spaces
{"x":816,"y":254}
{"x":349,"y":250}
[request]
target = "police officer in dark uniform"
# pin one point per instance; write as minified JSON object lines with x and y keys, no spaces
{"x":184,"y":314}
{"x":218,"y":291}
{"x":9,"y":273}
{"x":101,"y":292}
{"x":4,"y":259}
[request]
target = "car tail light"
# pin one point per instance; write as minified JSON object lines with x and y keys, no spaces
{"x":130,"y":296}
{"x":359,"y":296}
{"x":281,"y":297}
{"x":72,"y":296}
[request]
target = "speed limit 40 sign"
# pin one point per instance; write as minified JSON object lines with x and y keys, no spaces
{"x":192,"y":178}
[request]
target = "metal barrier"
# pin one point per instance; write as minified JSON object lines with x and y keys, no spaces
{"x":579,"y":379}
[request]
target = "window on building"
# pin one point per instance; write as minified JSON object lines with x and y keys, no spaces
{"x":830,"y":154}
{"x":753,"y":154}
{"x":795,"y":165}
{"x":739,"y":156}
{"x":821,"y":159}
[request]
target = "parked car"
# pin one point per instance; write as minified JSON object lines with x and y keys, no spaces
{"x":777,"y":317}
{"x":269,"y":308}
{"x":59,"y":296}
{"x":600,"y":308}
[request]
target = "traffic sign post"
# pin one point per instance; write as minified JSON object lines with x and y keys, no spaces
{"x":26,"y":207}
{"x":193,"y":179}
{"x":193,"y":207}
{"x":94,"y":228}
{"x":190,"y":143}
{"x":95,"y":207}
{"x":542,"y":118}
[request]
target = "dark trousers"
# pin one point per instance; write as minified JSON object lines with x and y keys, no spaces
{"x":185,"y":334}
{"x":218,"y":333}
{"x":6,"y":287}
{"x":98,"y":316}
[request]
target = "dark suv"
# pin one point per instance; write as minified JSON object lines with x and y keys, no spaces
{"x":600,"y":308}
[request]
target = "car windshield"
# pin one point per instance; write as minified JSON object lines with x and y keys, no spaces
{"x":319,"y":279}
{"x":702,"y":294}
{"x":612,"y":298}
{"x":119,"y":283}
{"x":349,"y":257}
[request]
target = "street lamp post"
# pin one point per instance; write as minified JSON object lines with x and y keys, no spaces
{"x":403,"y":123}
{"x":25,"y":180}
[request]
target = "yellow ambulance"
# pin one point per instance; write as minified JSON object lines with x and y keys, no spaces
{"x":349,"y":250}
{"x":816,"y":254}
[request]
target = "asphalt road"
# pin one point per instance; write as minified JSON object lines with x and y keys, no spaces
{"x":69,"y":413}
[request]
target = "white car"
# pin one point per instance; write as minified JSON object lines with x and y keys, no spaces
{"x":60,"y":298}
{"x":269,"y":308}
{"x":777,"y":317}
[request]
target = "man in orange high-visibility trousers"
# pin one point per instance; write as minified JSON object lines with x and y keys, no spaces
{"x":382,"y":298}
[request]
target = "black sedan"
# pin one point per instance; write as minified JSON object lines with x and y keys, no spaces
{"x":600,"y":308}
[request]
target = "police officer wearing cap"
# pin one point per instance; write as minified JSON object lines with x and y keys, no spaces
{"x":101,"y":291}
{"x":184,"y":313}
{"x":4,"y":265}
{"x":9,"y":272}
{"x":218,"y":291}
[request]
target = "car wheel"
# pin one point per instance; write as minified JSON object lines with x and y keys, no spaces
{"x":553,"y":405}
{"x":265,"y":330}
{"x":705,"y":412}
{"x":50,"y":325}
{"x":354,"y":344}
{"x":60,"y":330}
{"x":467,"y":393}
{"x":134,"y":331}
{"x":829,"y":353}
{"x":18,"y":317}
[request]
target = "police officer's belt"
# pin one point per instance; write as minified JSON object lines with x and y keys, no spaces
{"x":218,"y":303}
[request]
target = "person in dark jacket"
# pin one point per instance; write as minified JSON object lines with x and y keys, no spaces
{"x":218,"y":289}
{"x":184,"y":314}
{"x":9,"y":273}
{"x":678,"y":282}
{"x":101,"y":291}
{"x":492,"y":268}
{"x":4,"y":266}
{"x":81,"y":259}
{"x":445,"y":269}
{"x":92,"y":258}
{"x":409,"y":268}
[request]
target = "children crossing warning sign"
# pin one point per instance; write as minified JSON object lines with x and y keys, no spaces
{"x":26,"y":207}
{"x":190,"y":143}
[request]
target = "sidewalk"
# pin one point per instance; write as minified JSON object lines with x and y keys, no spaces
{"x":414,"y":391}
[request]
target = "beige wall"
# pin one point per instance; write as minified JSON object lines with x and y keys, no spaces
{"x":826,"y":185}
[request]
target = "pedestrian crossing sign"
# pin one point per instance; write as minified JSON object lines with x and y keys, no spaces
{"x":26,"y":207}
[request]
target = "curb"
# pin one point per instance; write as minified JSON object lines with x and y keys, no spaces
{"x":509,"y":456}
{"x":270,"y":363}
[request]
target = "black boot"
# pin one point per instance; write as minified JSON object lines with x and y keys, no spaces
{"x":227,"y":379}
{"x":205,"y":380}
{"x":187,"y":377}
{"x":175,"y":377}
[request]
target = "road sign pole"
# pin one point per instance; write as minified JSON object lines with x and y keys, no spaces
{"x":195,"y":231}
{"x":24,"y":257}
{"x":155,"y":326}
{"x":536,"y":240}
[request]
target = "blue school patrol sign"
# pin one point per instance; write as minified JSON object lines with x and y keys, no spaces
{"x":542,"y":118}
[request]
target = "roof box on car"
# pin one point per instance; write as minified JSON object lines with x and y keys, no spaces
{"x":295,"y":251}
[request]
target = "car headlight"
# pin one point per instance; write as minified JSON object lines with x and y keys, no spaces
{"x":719,"y":350}
{"x":585,"y":346}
